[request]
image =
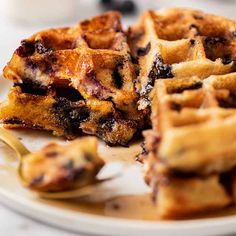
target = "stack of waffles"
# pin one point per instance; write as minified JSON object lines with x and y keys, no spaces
{"x":187,"y":64}
{"x":75,"y":79}
{"x":94,"y":77}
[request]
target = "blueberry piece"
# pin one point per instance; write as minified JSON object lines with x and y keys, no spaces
{"x":88,"y":157}
{"x":30,"y":64}
{"x":144,"y":51}
{"x":32,"y":87}
{"x":226,"y":59}
{"x":192,"y":42}
{"x":37,"y":180}
{"x":69,"y":165}
{"x":229,"y":102}
{"x":210,"y":41}
{"x":193,"y":86}
{"x":176,"y":107}
{"x":160,"y":69}
{"x":107,"y":123}
{"x":26,"y":49}
{"x":117,"y":76}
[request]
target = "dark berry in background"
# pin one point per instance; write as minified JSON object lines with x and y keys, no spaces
{"x":106,"y":2}
{"x":124,"y":6}
{"x":127,"y":6}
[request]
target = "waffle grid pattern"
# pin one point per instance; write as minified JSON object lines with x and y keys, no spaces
{"x":87,"y":66}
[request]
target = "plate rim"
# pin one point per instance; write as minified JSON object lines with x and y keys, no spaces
{"x":101,"y":225}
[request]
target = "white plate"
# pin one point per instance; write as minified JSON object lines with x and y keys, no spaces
{"x":55,"y":213}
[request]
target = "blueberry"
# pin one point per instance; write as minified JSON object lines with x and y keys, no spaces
{"x":211,"y":41}
{"x":144,"y":51}
{"x":160,"y":69}
{"x":117,"y":76}
{"x":226,"y":59}
{"x":26,"y":49}
{"x":192,"y":42}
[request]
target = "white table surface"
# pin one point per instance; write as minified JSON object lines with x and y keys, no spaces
{"x":13,"y":224}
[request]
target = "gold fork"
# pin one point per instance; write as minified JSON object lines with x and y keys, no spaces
{"x":21,"y":151}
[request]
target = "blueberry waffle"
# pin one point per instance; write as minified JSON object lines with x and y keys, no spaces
{"x":189,"y":154}
{"x":176,"y":43}
{"x":187,"y":64}
{"x":75,"y":79}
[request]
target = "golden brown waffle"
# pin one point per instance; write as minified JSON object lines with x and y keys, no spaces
{"x":195,"y":119}
{"x":176,"y":43}
{"x":189,"y":155}
{"x":178,"y":194}
{"x":183,"y":197}
{"x":86,"y":73}
{"x":192,"y":136}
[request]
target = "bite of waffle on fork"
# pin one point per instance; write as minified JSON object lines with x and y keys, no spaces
{"x":72,"y":79}
{"x":96,"y":78}
{"x":57,"y":168}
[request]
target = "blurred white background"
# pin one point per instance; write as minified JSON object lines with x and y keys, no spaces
{"x":21,"y":18}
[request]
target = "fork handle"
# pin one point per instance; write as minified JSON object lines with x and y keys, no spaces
{"x":14,"y":143}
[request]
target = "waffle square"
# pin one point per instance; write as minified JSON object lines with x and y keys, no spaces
{"x":176,"y":43}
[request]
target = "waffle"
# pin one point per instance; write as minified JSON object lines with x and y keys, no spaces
{"x":83,"y":75}
{"x":178,"y":194}
{"x":195,"y":125}
{"x":192,"y":136}
{"x":176,"y":43}
{"x":187,"y":75}
{"x":58,"y":168}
